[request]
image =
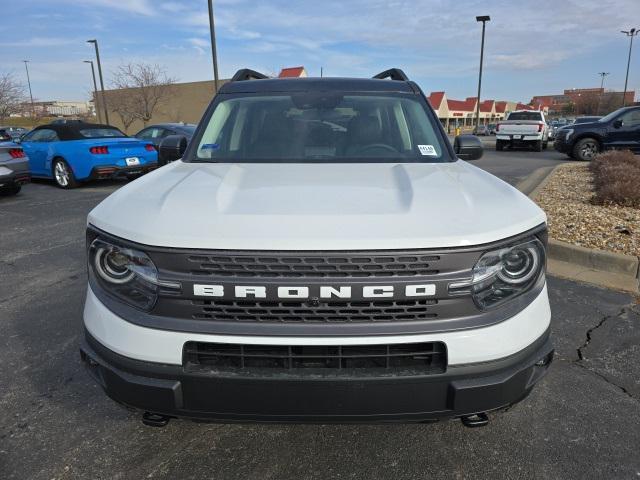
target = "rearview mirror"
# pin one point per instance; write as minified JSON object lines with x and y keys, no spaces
{"x":618,"y":124}
{"x":171,"y":148}
{"x":468,"y":147}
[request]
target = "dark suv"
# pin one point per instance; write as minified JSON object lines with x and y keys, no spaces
{"x":618,"y":130}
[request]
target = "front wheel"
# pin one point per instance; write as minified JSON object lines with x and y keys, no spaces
{"x":499,"y":145}
{"x":538,"y":146}
{"x":63,"y":174}
{"x":586,"y":149}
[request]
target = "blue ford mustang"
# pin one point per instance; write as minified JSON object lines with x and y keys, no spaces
{"x":73,"y":152}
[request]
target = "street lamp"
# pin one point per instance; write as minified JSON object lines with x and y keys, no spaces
{"x":214,"y":53}
{"x":484,"y":19}
{"x":95,"y":88}
{"x":26,"y":67}
{"x":631,"y":33}
{"x":602,"y":74}
{"x":104,"y":100}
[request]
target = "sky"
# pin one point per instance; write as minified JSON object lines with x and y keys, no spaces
{"x":532,"y":47}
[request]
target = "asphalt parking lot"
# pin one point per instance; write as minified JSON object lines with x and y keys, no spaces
{"x":582,"y":421}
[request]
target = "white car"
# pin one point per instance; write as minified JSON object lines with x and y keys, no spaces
{"x":523,"y":128}
{"x":321,"y":253}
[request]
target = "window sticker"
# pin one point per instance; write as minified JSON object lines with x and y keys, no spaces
{"x":428,"y":150}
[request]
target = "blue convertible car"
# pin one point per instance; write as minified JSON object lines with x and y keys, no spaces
{"x":73,"y":152}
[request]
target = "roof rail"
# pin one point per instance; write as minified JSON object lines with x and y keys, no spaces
{"x":393,"y":74}
{"x":247,"y":74}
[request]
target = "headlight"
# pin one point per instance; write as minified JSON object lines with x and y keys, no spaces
{"x":502,"y":274}
{"x":569,"y":133}
{"x":125,"y":273}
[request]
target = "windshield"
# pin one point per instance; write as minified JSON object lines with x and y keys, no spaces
{"x":611,"y":116}
{"x":320,"y":127}
{"x":101,"y":132}
{"x":524,"y":116}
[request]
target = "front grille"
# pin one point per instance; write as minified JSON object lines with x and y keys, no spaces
{"x":397,"y":359}
{"x":319,"y":312}
{"x":313,"y":266}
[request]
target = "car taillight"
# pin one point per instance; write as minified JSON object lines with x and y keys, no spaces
{"x":149,"y":147}
{"x":497,"y":127}
{"x":99,"y":150}
{"x":16,"y":153}
{"x":540,"y":126}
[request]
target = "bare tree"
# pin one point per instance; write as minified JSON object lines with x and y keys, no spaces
{"x":142,"y":89}
{"x":11,"y":95}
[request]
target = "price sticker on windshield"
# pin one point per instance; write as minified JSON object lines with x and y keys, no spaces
{"x":428,"y":150}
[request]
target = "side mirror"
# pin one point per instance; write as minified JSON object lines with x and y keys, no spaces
{"x":618,"y":124}
{"x":171,"y":148}
{"x":468,"y":147}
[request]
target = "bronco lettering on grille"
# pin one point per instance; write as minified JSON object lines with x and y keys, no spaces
{"x":296,"y":292}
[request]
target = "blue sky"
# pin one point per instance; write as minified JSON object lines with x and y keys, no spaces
{"x":532,"y":47}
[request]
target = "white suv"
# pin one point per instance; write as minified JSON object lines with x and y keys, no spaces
{"x":320,"y":253}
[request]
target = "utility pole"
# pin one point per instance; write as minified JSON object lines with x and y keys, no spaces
{"x":214,"y":53}
{"x":602,"y":75}
{"x":95,"y":89}
{"x":484,"y":19}
{"x":104,"y":100}
{"x":631,"y":33}
{"x":26,"y":67}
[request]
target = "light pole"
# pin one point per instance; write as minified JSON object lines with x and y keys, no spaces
{"x":602,"y":75}
{"x":631,"y":33}
{"x":104,"y":100}
{"x":484,"y":19}
{"x":95,"y":88}
{"x":214,"y":53}
{"x":26,"y":67}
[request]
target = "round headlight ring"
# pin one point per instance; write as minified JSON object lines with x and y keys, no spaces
{"x":520,"y":264}
{"x":109,"y":264}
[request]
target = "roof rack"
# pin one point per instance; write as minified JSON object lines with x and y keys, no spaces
{"x":247,"y":74}
{"x":393,"y":74}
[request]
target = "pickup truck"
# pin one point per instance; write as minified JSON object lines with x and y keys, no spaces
{"x":526,"y":128}
{"x":318,"y":252}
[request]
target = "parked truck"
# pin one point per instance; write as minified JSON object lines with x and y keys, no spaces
{"x":319,"y":252}
{"x":523,"y":128}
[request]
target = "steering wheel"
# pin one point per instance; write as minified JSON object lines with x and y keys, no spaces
{"x":377,"y":146}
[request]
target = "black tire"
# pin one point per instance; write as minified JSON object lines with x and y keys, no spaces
{"x":63,"y":174}
{"x":545,"y":145}
{"x":538,"y":146}
{"x":586,"y":149}
{"x":13,"y":189}
{"x":499,"y":145}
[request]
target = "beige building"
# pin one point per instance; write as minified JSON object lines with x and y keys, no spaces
{"x":186,"y":103}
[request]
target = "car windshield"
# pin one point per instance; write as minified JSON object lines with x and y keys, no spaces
{"x":188,"y":129}
{"x":320,"y":127}
{"x":611,"y":116}
{"x":101,"y":132}
{"x":524,"y":116}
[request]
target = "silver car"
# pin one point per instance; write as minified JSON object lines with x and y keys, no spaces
{"x":14,"y":168}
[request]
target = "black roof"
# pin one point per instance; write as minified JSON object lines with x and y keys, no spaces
{"x":71,"y":131}
{"x":317,"y":84}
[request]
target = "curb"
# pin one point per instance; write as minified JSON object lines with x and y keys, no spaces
{"x":608,"y":269}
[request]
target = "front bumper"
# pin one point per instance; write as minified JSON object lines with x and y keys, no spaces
{"x":113,"y":171}
{"x":561,"y":145}
{"x":172,"y":391}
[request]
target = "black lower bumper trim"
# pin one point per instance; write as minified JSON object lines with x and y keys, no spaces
{"x":112,"y":171}
{"x":462,"y":390}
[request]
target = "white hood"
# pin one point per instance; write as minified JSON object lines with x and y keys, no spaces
{"x":316,"y":207}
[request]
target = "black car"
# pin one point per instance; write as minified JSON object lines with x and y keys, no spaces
{"x":618,"y":130}
{"x":156,"y":133}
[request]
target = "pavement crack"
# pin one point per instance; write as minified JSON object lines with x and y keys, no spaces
{"x":593,"y":329}
{"x":599,"y":375}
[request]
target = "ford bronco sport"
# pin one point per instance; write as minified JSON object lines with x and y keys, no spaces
{"x":320,"y":253}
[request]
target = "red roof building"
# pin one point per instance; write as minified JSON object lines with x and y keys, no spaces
{"x":292,"y":72}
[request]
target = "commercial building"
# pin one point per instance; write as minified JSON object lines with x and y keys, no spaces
{"x":583,"y":101}
{"x":462,"y":113}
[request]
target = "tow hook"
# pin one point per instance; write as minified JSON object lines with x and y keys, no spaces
{"x":155,"y":419}
{"x":475,"y":420}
